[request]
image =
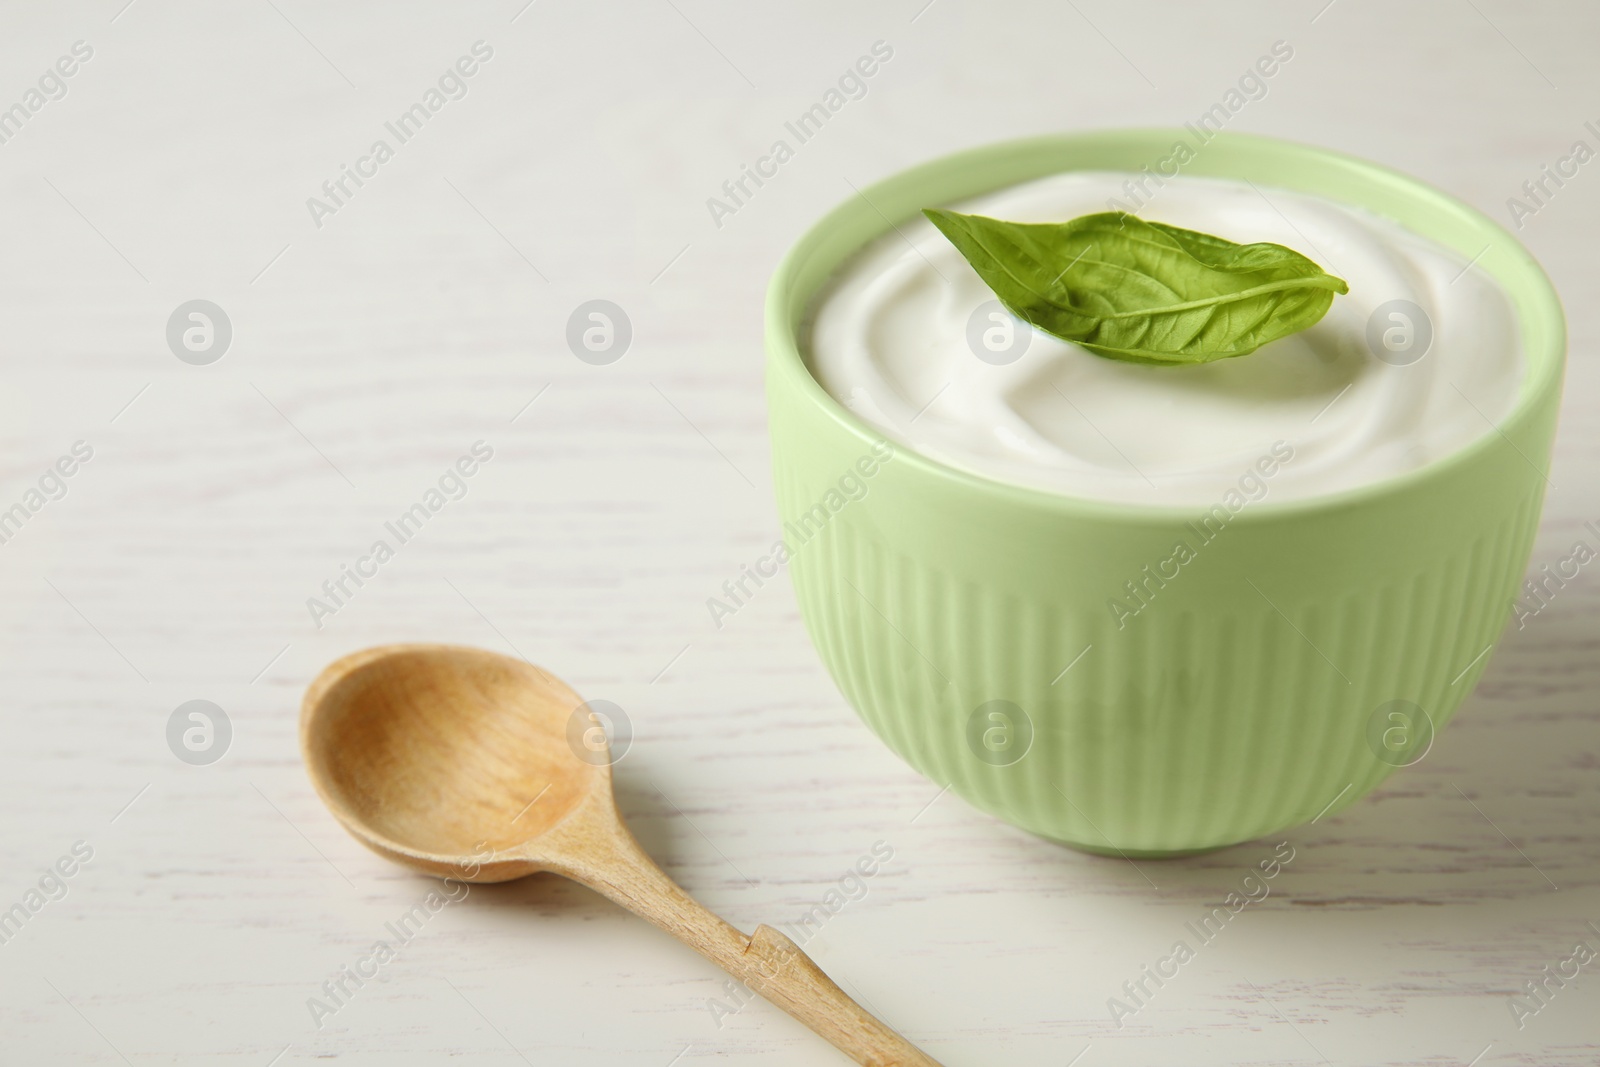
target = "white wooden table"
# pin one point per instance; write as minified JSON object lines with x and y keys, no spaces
{"x":429,"y":311}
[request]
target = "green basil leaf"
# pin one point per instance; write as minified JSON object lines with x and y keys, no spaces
{"x":1141,"y":291}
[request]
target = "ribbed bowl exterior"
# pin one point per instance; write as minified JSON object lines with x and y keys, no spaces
{"x":1250,"y":689}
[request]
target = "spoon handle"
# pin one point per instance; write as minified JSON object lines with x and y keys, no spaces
{"x":785,"y":975}
{"x":610,"y":861}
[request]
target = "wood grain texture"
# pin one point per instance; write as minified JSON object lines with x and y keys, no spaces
{"x":370,"y":354}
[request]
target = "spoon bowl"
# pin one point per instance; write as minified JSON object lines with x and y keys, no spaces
{"x":430,"y":754}
{"x":471,"y":765}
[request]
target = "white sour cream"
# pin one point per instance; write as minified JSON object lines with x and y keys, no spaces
{"x":889,"y":338}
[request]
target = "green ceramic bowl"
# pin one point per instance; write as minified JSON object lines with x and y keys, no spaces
{"x":1310,"y":649}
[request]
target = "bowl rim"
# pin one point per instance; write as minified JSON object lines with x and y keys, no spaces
{"x":1539,"y":310}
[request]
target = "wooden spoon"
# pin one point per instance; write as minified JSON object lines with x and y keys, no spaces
{"x":458,"y":762}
